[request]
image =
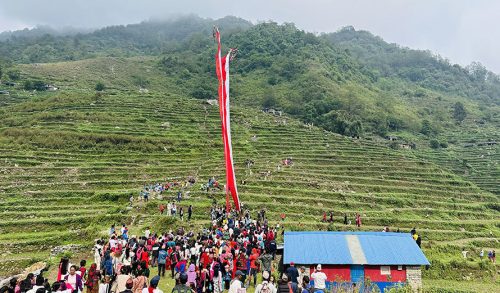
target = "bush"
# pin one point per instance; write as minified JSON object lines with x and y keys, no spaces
{"x":14,"y":74}
{"x":100,"y":87}
{"x":434,"y":144}
{"x":30,"y":85}
{"x":443,"y":144}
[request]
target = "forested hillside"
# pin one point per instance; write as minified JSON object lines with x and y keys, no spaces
{"x":349,"y":82}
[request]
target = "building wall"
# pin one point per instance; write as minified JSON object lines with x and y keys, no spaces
{"x":374,"y":274}
{"x":342,"y":273}
{"x":414,"y":277}
{"x":335,"y":272}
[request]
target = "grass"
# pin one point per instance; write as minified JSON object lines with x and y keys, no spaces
{"x":71,"y":159}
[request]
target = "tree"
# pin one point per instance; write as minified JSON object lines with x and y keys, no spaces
{"x":434,"y":144}
{"x":459,"y":112}
{"x":140,"y":81}
{"x":39,"y":85}
{"x":269,"y":100}
{"x":28,"y":85}
{"x":426,"y":127}
{"x":14,"y":74}
{"x":100,"y":87}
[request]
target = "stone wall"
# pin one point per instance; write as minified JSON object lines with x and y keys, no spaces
{"x":414,"y":277}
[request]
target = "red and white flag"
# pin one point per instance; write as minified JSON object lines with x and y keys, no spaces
{"x":222,"y":68}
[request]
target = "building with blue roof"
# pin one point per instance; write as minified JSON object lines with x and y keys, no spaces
{"x":352,"y":258}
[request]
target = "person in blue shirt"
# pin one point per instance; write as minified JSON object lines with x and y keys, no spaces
{"x":162,"y":261}
{"x":292,"y":272}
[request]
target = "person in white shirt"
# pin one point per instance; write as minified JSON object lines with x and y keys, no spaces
{"x":266,"y":286}
{"x":319,"y":278}
{"x":236,"y":282}
{"x":104,"y":286}
{"x":153,"y":286}
{"x":113,"y":243}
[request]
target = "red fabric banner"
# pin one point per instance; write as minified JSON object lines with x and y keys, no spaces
{"x":222,"y":68}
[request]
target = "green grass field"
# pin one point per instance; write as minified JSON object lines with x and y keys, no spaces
{"x":72,"y":158}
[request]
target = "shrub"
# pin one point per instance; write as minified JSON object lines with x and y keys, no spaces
{"x":100,"y":87}
{"x":14,"y":74}
{"x":434,"y":144}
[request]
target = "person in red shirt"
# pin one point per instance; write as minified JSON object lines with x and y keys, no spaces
{"x":254,"y":268}
{"x":82,"y":269}
{"x":241,"y":264}
{"x":204,"y":259}
{"x":145,"y":257}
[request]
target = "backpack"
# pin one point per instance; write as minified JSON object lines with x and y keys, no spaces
{"x":265,"y":288}
{"x":178,"y":289}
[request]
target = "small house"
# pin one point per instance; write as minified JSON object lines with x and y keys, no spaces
{"x":376,"y":259}
{"x":50,"y":88}
{"x":213,"y":102}
{"x":407,"y":146}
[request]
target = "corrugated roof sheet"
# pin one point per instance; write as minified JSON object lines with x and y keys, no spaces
{"x":379,"y":248}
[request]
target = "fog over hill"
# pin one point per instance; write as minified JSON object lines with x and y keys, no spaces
{"x":463,"y":31}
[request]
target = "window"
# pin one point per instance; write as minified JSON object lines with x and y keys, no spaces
{"x":400,"y":268}
{"x":385,"y":270}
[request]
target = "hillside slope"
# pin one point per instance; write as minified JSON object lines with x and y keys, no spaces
{"x":71,"y":159}
{"x":348,"y":82}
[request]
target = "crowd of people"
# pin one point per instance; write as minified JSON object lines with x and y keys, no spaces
{"x":346,"y":221}
{"x":232,"y":254}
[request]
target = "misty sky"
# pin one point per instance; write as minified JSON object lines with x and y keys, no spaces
{"x":461,"y":30}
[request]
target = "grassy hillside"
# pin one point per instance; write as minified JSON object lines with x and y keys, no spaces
{"x":71,"y":159}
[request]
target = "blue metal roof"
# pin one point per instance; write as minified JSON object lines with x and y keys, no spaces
{"x":372,"y":248}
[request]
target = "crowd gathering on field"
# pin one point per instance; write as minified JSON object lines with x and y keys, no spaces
{"x":233,"y":253}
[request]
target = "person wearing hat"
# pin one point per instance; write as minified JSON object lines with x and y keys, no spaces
{"x":319,"y":278}
{"x":153,"y":286}
{"x":266,"y":286}
{"x":236,"y":283}
{"x":292,"y":272}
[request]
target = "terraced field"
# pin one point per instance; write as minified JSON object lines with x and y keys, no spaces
{"x":70,"y":161}
{"x":475,"y":155}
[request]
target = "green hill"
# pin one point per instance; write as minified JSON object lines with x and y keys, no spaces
{"x":348,"y":82}
{"x":72,"y":158}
